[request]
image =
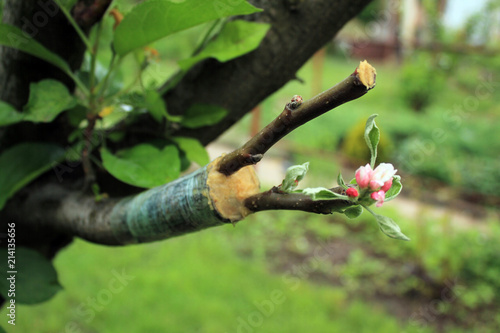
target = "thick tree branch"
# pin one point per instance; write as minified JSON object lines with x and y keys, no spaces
{"x":45,"y":213}
{"x":297,"y":32}
{"x":220,"y":192}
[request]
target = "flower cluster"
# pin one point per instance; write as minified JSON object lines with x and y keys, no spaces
{"x":375,"y":182}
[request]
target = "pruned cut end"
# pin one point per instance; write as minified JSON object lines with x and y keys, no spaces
{"x":228,"y":192}
{"x":367,"y":74}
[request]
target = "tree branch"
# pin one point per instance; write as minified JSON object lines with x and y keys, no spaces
{"x":296,"y":33}
{"x":297,"y":113}
{"x":274,"y":199}
{"x":226,"y":190}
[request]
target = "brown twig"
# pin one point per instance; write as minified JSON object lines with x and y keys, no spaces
{"x":297,"y":113}
{"x":274,"y":199}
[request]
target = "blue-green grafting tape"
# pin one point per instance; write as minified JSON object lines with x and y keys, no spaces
{"x":173,"y":209}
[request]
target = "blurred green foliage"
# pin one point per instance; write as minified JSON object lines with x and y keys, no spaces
{"x":420,"y":81}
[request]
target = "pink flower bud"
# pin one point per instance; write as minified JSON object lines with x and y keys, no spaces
{"x":382,"y":173}
{"x":387,"y":185}
{"x":374,"y":185}
{"x":379,"y":197}
{"x":352,"y":192}
{"x":363,"y":176}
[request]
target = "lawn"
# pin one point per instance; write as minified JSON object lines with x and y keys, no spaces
{"x":197,"y":283}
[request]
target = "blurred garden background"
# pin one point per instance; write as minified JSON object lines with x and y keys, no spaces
{"x":438,"y":105}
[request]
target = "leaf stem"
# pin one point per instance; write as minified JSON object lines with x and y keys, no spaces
{"x":77,"y":28}
{"x":207,"y":35}
{"x":102,"y":86}
{"x":93,"y":62}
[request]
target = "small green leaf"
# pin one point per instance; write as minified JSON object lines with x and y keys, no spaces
{"x":372,"y":137}
{"x":14,"y":37}
{"x":322,"y":193}
{"x":353,"y":212}
{"x":143,"y":165}
{"x":235,"y":39}
{"x":199,"y":115}
{"x":193,"y":149}
{"x":341,"y":181}
{"x":388,"y":226}
{"x":36,"y":278}
{"x":47,"y":99}
{"x":293,"y":176}
{"x":155,"y":19}
{"x":23,"y":163}
{"x":9,"y":115}
{"x":395,"y":188}
{"x":157,"y":108}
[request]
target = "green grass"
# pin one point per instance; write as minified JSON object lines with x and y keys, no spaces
{"x":222,"y":279}
{"x":196,"y":283}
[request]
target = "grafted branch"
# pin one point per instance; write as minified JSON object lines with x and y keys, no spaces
{"x":297,"y":113}
{"x":46,"y":211}
{"x":205,"y":198}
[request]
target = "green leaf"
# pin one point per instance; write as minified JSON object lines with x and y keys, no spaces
{"x":21,"y":164}
{"x":235,"y":39}
{"x":36,"y":278}
{"x":341,"y":181}
{"x":372,"y":137}
{"x":199,"y":115}
{"x":322,"y":193}
{"x":1,"y":328}
{"x":157,"y":108}
{"x":155,"y":19}
{"x":14,"y":37}
{"x":293,"y":176}
{"x":9,"y":115}
{"x":47,"y":99}
{"x":388,"y":226}
{"x":143,"y":165}
{"x":353,"y":212}
{"x":395,"y":188}
{"x":193,"y":149}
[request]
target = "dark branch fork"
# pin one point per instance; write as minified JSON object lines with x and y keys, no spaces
{"x":297,"y":113}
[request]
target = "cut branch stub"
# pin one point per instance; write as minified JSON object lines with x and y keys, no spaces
{"x":297,"y":113}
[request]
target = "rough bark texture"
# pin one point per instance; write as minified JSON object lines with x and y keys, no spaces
{"x":297,"y":32}
{"x":48,"y":25}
